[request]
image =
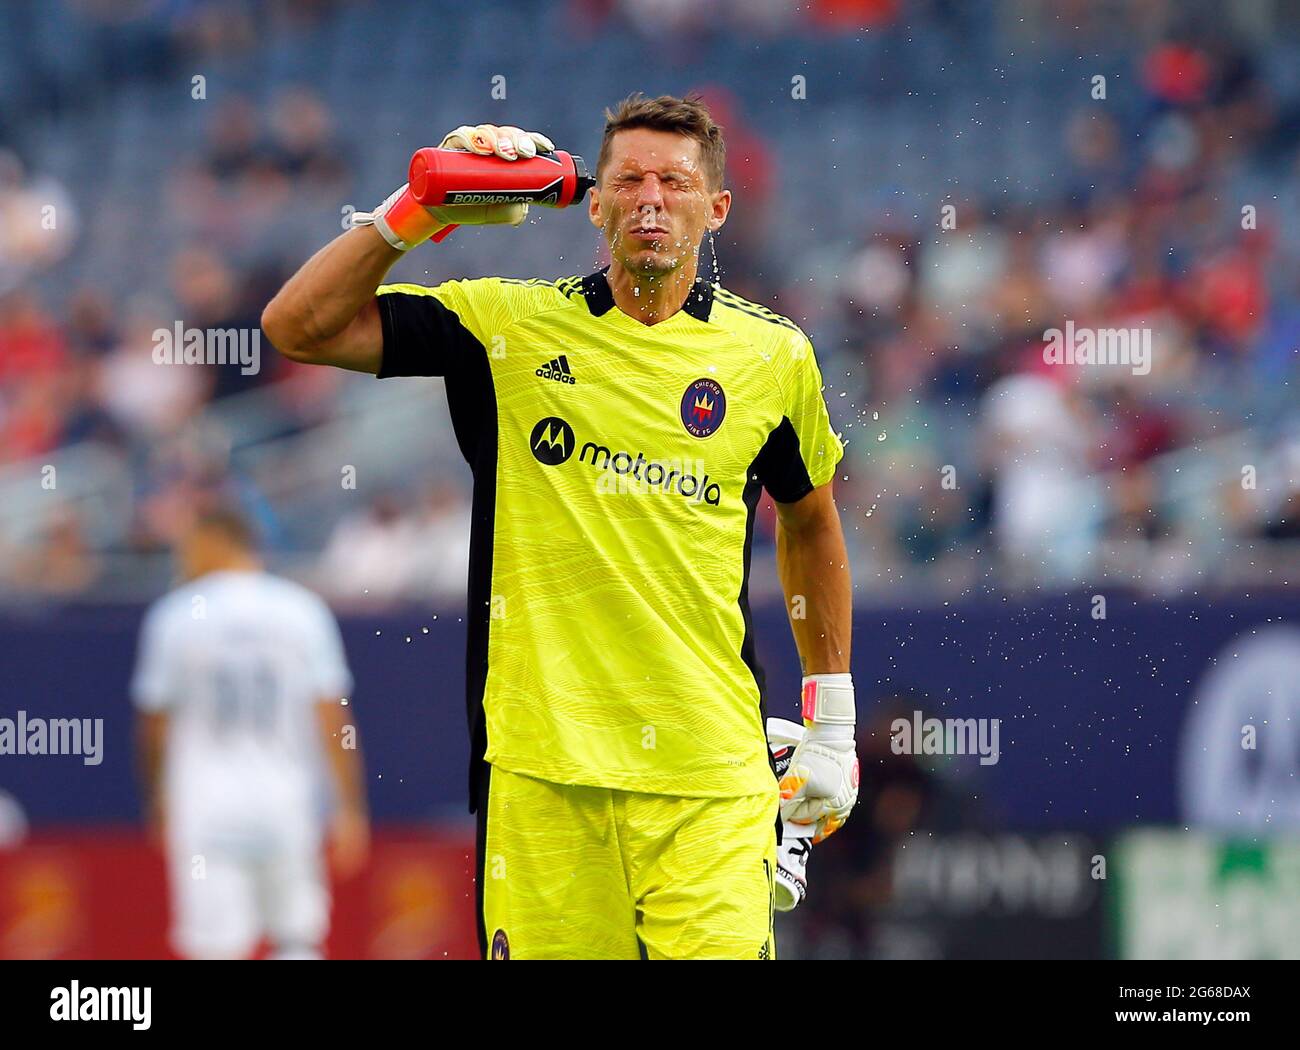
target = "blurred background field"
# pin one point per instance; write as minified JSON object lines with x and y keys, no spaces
{"x":1173,"y":204}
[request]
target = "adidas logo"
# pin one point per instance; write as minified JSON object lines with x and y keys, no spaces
{"x":557,"y":368}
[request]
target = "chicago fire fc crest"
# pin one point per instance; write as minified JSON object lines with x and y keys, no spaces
{"x":500,"y":945}
{"x":703,"y":407}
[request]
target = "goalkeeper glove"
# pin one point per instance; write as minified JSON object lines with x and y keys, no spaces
{"x":791,"y":880}
{"x":821,"y":785}
{"x":403,"y":222}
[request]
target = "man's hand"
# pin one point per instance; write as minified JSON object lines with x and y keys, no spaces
{"x":820,"y":786}
{"x":403,"y":222}
{"x":506,"y":141}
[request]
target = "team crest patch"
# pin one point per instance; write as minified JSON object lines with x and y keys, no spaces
{"x":500,"y":945}
{"x":703,"y":407}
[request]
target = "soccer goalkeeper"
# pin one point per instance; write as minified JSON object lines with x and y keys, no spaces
{"x":620,"y":427}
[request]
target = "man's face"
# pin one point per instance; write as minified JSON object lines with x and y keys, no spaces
{"x":653,"y":202}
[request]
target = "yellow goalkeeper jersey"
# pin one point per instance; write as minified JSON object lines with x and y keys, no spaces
{"x":617,"y":468}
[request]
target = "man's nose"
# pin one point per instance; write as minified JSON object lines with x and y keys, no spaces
{"x":650,"y":193}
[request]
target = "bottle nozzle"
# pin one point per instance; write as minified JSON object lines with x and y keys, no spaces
{"x":584,"y":180}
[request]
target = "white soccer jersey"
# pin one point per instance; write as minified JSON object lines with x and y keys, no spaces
{"x":238,"y":660}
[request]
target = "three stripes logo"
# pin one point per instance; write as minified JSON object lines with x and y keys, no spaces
{"x":557,"y":368}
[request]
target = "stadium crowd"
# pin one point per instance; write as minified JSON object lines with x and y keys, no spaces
{"x":967,"y":453}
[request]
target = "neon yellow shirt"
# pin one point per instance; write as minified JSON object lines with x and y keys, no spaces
{"x":617,"y":467}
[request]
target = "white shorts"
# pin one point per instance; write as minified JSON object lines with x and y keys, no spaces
{"x":229,"y":890}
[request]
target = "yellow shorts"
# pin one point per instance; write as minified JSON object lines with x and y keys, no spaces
{"x":571,"y":872}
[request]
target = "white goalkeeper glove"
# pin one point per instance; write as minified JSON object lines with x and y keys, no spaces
{"x":505,"y":140}
{"x":404,"y":222}
{"x":821,"y":785}
{"x":791,"y":879}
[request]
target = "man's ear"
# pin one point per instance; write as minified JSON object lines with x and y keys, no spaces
{"x":593,"y":208}
{"x":721,"y":209}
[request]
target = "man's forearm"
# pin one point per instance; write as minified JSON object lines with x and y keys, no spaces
{"x":813,"y":565}
{"x":346,"y":764}
{"x":820,"y":787}
{"x":347,"y":778}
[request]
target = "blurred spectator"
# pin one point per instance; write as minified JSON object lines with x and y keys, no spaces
{"x":210,"y":297}
{"x":1139,"y":432}
{"x":1040,"y":434}
{"x":234,"y":141}
{"x":750,"y":175}
{"x":369,"y":555}
{"x":31,"y":341}
{"x":304,"y":148}
{"x":147,"y":399}
{"x":440,"y":545}
{"x":390,"y":551}
{"x":38,"y":222}
{"x":61,"y":563}
{"x":1282,"y":511}
{"x":33,"y":383}
{"x":92,"y":325}
{"x":851,"y":15}
{"x":964,"y":267}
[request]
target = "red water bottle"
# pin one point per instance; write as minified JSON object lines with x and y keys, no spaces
{"x":454,"y":176}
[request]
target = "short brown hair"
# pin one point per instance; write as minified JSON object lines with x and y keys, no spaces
{"x":685,"y":116}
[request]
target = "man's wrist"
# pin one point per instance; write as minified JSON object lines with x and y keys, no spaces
{"x":404,"y":222}
{"x":828,"y":706}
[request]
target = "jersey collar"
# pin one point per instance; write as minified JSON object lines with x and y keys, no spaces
{"x":600,"y":297}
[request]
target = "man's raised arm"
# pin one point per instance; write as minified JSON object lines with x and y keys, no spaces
{"x":326,"y":313}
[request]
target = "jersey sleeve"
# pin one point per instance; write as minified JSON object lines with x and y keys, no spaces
{"x":153,"y":685}
{"x":802,"y":452}
{"x":435,"y":331}
{"x":331,"y":678}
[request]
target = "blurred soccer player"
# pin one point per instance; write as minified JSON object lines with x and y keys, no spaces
{"x":621,"y":427}
{"x":238,"y":684}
